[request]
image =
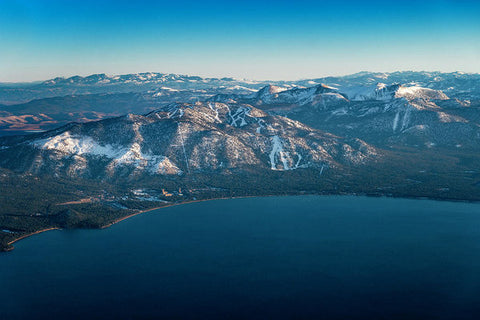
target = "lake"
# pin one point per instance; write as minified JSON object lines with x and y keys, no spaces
{"x":309,"y":257}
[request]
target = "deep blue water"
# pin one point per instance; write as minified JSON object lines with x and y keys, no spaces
{"x":307,"y":257}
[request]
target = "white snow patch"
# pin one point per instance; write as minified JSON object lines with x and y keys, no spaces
{"x":239,"y":116}
{"x":278,"y":152}
{"x":340,"y":112}
{"x":361,"y":93}
{"x":216,"y":111}
{"x":419,"y":92}
{"x":395,"y":121}
{"x":406,"y":118}
{"x":277,"y":148}
{"x":71,"y":145}
{"x":261,"y":125}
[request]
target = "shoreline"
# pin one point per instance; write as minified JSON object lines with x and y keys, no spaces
{"x":286,"y":195}
{"x":10,"y":246}
{"x":178,"y":204}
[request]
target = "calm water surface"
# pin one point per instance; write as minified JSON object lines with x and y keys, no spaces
{"x":256,"y":258}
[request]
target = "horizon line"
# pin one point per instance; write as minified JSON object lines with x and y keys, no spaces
{"x":234,"y":78}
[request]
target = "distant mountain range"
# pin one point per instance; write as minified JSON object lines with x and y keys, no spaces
{"x":455,"y":85}
{"x":119,"y":144}
{"x":46,"y":105}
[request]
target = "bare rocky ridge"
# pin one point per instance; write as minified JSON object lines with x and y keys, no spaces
{"x":180,"y":139}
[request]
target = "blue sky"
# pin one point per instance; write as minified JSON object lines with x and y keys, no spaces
{"x":244,"y":39}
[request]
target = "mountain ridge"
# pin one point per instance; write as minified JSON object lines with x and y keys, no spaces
{"x":100,"y":83}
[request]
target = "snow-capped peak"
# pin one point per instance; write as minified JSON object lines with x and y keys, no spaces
{"x":382,"y":91}
{"x":269,"y":90}
{"x":415,"y":92}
